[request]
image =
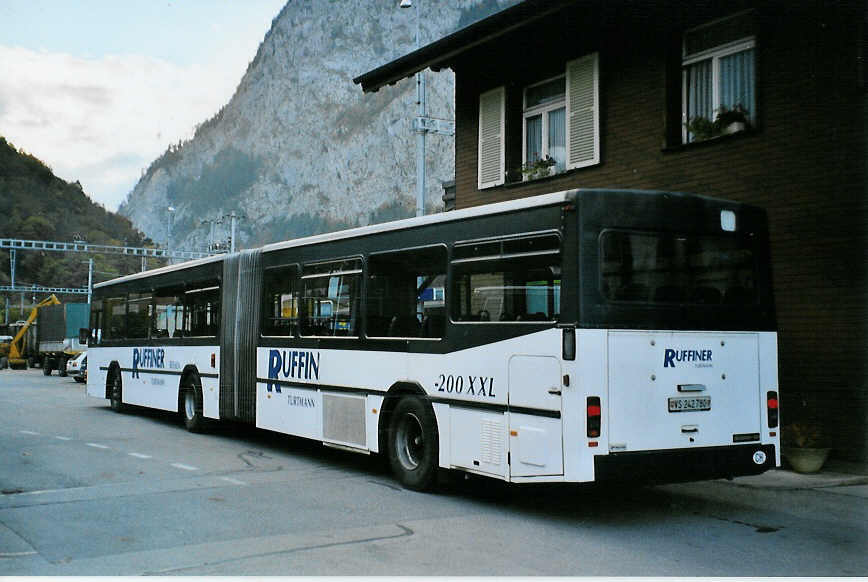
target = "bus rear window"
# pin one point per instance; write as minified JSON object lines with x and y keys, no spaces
{"x":672,"y":268}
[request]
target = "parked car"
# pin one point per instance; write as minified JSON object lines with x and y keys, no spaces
{"x":81,"y":376}
{"x":76,"y":366}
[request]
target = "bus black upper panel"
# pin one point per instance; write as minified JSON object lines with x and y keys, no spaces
{"x":656,"y":260}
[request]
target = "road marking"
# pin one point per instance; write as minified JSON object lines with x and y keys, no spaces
{"x":139,"y":455}
{"x":233,"y":481}
{"x":29,"y":432}
{"x":16,"y":554}
{"x":97,"y":446}
{"x":62,"y":438}
{"x":185,"y":467}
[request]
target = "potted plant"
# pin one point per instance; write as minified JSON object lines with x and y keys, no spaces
{"x":731,"y":120}
{"x":701,"y":128}
{"x":538,"y":168}
{"x":727,"y":121}
{"x":802,"y":447}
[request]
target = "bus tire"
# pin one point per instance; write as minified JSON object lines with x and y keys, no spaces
{"x":116,"y":391}
{"x":190,"y":404}
{"x":46,"y":366}
{"x":61,"y":371}
{"x":413,"y":443}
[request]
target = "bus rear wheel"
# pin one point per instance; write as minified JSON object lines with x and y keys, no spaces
{"x":190,"y":404}
{"x":413,"y":443}
{"x":116,"y":392}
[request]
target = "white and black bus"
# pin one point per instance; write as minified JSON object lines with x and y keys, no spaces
{"x":577,"y":336}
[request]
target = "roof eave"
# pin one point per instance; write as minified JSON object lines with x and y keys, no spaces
{"x":442,"y":53}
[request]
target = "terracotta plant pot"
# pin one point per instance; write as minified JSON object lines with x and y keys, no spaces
{"x":806,"y":460}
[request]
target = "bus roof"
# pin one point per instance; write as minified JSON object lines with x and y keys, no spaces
{"x":541,"y":200}
{"x":482,"y":210}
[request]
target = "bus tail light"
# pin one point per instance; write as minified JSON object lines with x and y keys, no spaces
{"x":594,"y":423}
{"x":772,"y":403}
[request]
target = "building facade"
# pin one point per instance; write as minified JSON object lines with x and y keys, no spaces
{"x":759,"y":102}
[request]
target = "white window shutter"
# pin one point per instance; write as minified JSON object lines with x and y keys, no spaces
{"x":491,"y":138}
{"x":583,"y":112}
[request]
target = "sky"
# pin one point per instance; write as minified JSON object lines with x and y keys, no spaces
{"x":97,"y":89}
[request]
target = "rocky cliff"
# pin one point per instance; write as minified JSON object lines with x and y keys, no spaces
{"x":299,"y":149}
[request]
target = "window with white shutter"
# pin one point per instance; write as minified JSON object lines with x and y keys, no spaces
{"x":718,"y":76}
{"x":544,"y":142}
{"x":491,"y":138}
{"x":583,"y":112}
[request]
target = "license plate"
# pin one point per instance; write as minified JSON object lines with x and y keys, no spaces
{"x":689,"y":403}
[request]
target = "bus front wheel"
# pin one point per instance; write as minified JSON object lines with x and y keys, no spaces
{"x":413,"y":443}
{"x":191,"y":405}
{"x":116,"y":392}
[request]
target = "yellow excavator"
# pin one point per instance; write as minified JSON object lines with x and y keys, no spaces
{"x":15,"y":358}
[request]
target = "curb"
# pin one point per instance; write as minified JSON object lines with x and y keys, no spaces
{"x":783,"y":479}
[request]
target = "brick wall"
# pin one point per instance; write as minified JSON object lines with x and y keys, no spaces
{"x":805,"y":164}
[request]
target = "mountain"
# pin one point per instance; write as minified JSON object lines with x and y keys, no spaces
{"x":37,"y":205}
{"x":299,"y":149}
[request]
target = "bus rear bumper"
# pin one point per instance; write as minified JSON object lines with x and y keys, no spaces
{"x":676,"y":465}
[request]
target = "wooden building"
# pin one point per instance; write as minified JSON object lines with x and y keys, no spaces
{"x":755,"y":101}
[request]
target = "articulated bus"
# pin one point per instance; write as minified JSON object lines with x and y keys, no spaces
{"x":577,"y":336}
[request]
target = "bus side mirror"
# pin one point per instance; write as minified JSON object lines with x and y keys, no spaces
{"x":83,"y":335}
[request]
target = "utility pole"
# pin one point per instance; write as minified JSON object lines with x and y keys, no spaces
{"x":90,"y":278}
{"x":233,"y":218}
{"x":169,"y":214}
{"x":417,"y":127}
{"x":212,"y":231}
{"x":423,"y":124}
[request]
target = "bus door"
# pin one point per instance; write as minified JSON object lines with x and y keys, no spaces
{"x":535,"y":442}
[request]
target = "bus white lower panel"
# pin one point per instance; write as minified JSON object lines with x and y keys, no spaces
{"x":478,"y":441}
{"x":290,"y":410}
{"x":151,"y":376}
{"x":535,"y":446}
{"x":671,"y":390}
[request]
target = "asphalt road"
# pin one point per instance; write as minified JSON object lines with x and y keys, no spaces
{"x":86,"y":491}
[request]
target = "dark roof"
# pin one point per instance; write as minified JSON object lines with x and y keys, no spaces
{"x":442,"y":53}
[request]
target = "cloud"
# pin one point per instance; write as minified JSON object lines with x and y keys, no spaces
{"x":102,"y":120}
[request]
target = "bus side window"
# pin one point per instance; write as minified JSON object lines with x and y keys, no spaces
{"x":330,"y":298}
{"x":167,"y":305}
{"x":114,"y":318}
{"x":96,"y":320}
{"x":508,"y":281}
{"x":280,"y":302}
{"x":202,"y":310}
{"x":406,"y":293}
{"x":138,"y":315}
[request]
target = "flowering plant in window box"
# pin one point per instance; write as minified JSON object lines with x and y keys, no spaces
{"x":731,"y":120}
{"x":701,"y":128}
{"x":727,"y":121}
{"x":538,"y":168}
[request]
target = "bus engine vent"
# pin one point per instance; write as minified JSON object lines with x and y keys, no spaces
{"x":491,"y":445}
{"x":343,"y":419}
